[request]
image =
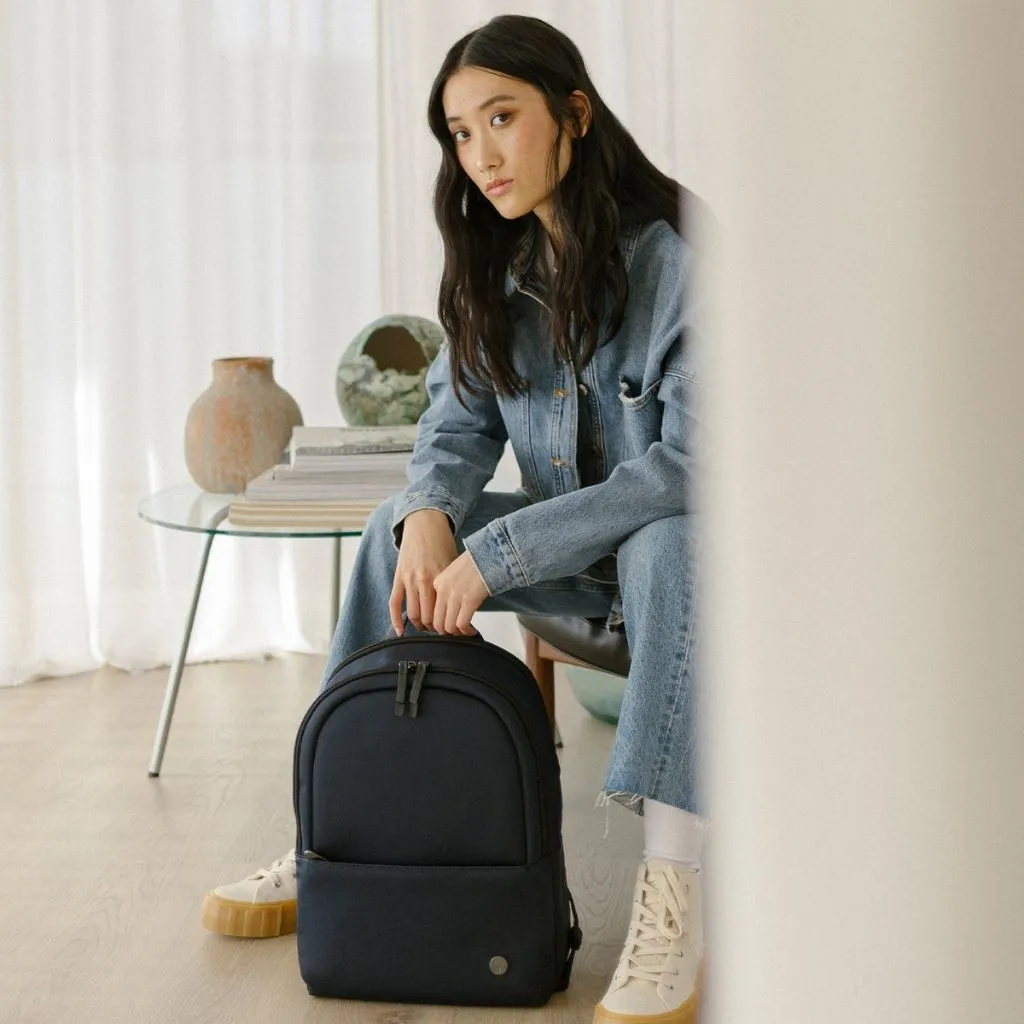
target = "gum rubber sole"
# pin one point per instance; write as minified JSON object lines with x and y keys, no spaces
{"x":688,"y":1013}
{"x":248,"y":920}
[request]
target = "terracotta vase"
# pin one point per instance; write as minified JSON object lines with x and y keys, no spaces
{"x":239,"y":426}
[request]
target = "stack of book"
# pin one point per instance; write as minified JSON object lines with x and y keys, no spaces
{"x":332,"y":477}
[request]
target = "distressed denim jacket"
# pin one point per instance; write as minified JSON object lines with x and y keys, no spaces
{"x":641,"y":390}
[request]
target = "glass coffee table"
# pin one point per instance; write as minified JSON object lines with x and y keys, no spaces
{"x":194,"y":511}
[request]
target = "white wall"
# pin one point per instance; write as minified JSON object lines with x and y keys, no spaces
{"x":868,"y":517}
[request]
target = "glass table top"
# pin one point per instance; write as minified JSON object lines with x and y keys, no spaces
{"x":188,"y":508}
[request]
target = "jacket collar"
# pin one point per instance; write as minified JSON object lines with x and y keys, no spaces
{"x":523,"y":269}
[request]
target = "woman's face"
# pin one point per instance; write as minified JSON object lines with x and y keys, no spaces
{"x":504,"y":135}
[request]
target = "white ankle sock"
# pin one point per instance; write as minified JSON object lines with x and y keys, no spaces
{"x":673,"y":834}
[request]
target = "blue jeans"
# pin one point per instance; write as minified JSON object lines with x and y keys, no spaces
{"x":655,"y":753}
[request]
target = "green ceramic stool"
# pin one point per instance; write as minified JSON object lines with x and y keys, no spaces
{"x":600,"y":693}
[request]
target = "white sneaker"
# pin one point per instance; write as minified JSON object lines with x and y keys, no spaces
{"x":259,"y":907}
{"x":659,"y":977}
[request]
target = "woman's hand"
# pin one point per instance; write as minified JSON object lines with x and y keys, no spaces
{"x":460,"y":590}
{"x":427,"y":549}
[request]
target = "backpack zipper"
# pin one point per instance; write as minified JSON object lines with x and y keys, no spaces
{"x":403,"y":678}
{"x":404,"y":668}
{"x":417,"y":686}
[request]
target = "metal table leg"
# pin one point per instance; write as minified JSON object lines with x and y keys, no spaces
{"x":335,"y":586}
{"x":171,"y":693}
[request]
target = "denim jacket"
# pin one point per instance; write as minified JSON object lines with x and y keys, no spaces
{"x":645,"y":428}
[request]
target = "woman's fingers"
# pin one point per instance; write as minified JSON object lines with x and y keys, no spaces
{"x":452,"y":616}
{"x":440,"y":612}
{"x":445,"y":617}
{"x":459,"y":590}
{"x":395,"y":604}
{"x":426,"y":597}
{"x":464,"y":622}
{"x":424,"y":607}
{"x":427,"y":548}
{"x":412,"y":604}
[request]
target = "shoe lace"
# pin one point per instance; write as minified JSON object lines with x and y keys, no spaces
{"x":658,"y":924}
{"x":283,"y":865}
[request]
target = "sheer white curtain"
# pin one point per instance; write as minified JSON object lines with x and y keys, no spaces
{"x":182,"y":181}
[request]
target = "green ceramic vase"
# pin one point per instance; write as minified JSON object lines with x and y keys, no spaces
{"x":381,"y":378}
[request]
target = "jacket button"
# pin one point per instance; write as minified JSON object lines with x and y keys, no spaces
{"x":561,"y":393}
{"x":557,"y":462}
{"x":499,"y":965}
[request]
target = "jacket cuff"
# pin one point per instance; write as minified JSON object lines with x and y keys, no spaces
{"x":441,"y":501}
{"x":496,"y":558}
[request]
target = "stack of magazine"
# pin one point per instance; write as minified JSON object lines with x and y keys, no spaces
{"x":331,"y":477}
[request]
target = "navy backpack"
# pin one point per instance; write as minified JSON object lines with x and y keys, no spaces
{"x":429,"y":810}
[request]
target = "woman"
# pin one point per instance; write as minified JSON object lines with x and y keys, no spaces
{"x":567,"y":337}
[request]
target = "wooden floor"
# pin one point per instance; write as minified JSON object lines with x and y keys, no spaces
{"x":104,"y":868}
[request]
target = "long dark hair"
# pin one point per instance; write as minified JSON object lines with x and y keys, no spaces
{"x":609,"y":184}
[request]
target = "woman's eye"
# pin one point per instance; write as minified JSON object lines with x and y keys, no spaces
{"x":462,"y":132}
{"x":500,"y":119}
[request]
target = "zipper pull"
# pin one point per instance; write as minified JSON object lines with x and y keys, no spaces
{"x":417,"y":686}
{"x":403,"y":679}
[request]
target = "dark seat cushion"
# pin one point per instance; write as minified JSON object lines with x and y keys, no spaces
{"x":586,"y":639}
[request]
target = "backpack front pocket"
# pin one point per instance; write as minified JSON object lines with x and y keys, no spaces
{"x":420,"y":934}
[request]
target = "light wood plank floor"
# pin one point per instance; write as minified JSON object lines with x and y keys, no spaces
{"x":105,"y":868}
